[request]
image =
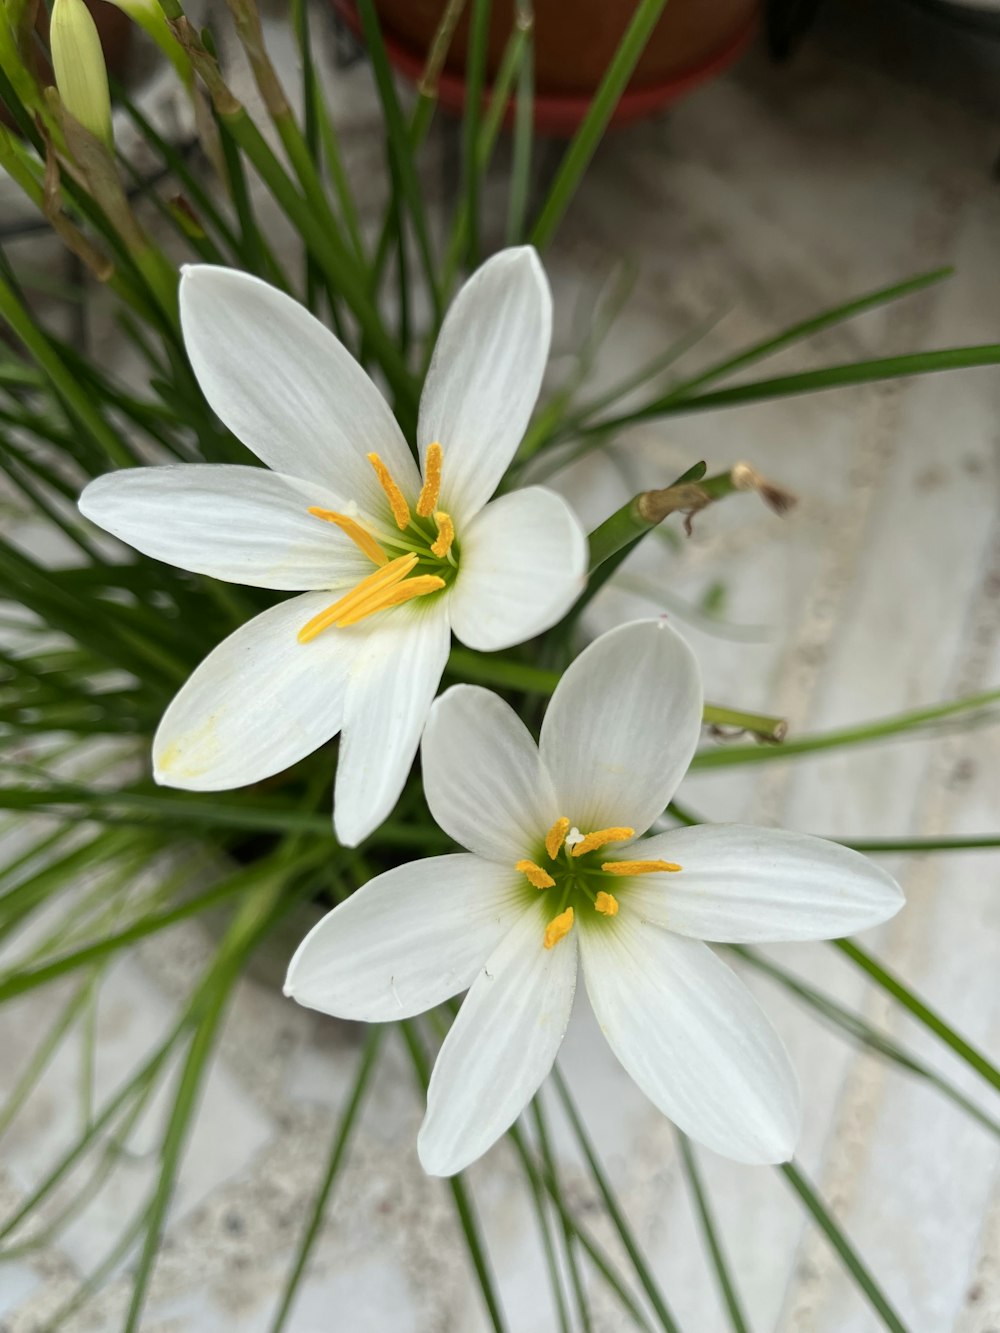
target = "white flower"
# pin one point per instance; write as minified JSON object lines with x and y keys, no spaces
{"x":554,"y":867}
{"x":345,"y":508}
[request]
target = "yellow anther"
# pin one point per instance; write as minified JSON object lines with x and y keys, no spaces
{"x":606,"y":904}
{"x":401,"y":592}
{"x":638,"y":867}
{"x":386,"y":577}
{"x":400,"y":509}
{"x":558,"y":928}
{"x":601,"y":836}
{"x":446,"y":534}
{"x":535,"y":875}
{"x":360,"y":536}
{"x":556,"y":836}
{"x":431,"y":489}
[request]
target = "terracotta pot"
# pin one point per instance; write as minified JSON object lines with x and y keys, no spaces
{"x":574,"y":43}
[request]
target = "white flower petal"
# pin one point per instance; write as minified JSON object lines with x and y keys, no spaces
{"x":500,"y":1047}
{"x":407,"y":940}
{"x":258,"y":703}
{"x":741,"y":884}
{"x":242,"y":524}
{"x":286,"y":387}
{"x":485,"y":375}
{"x":622,"y":726}
{"x":483,"y":777}
{"x":692,"y":1037}
{"x":523,"y":561}
{"x":394,"y":674}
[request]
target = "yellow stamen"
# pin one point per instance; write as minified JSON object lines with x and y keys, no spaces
{"x":401,"y":592}
{"x":601,"y":836}
{"x":638,"y":867}
{"x":446,"y":534}
{"x":535,"y":875}
{"x":556,"y":836}
{"x":359,"y":536}
{"x":558,"y":928}
{"x":606,"y":904}
{"x":400,"y":509}
{"x":386,"y":577}
{"x":431,"y":489}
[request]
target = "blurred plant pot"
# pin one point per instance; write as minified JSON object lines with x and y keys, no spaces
{"x":575,"y":41}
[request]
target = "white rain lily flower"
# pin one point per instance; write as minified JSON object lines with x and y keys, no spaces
{"x":554,"y":866}
{"x":409,"y":554}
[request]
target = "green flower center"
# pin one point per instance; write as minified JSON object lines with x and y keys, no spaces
{"x":577,"y":875}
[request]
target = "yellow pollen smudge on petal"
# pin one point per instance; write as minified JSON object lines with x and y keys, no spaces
{"x":400,"y":509}
{"x":400,"y":592}
{"x":556,"y":836}
{"x":606,"y":904}
{"x":431,"y":489}
{"x":386,"y":577}
{"x":535,"y":875}
{"x":638,"y":867}
{"x":558,"y":928}
{"x":360,"y":536}
{"x":446,"y":534}
{"x":601,"y":836}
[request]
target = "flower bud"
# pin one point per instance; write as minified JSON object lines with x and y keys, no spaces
{"x":78,"y":62}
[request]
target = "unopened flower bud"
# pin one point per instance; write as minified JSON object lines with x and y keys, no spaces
{"x":78,"y":62}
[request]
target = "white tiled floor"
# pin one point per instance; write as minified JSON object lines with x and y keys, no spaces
{"x":767,"y":195}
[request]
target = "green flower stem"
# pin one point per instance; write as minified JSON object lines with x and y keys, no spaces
{"x":41,"y":1056}
{"x":689,"y":494}
{"x":20,"y":980}
{"x":71,"y":802}
{"x":475,"y":83}
{"x":642,"y":1271}
{"x":857,"y":1028}
{"x":320,"y":129}
{"x":594,"y":1253}
{"x":806,"y":329}
{"x":914,"y":720}
{"x":812,"y":381}
{"x":488,"y":133}
{"x":253,"y":248}
{"x":491,"y":669}
{"x":243,"y":931}
{"x":73,"y":397}
{"x":398,"y":137}
{"x":921,"y":1011}
{"x":524,"y":127}
{"x":463,"y":1205}
{"x":545,"y":1231}
{"x":727,"y":1289}
{"x":419,"y":124}
{"x":886,"y":846}
{"x":569,"y":1248}
{"x":837,"y":1238}
{"x":338,"y":267}
{"x":338,"y":1150}
{"x":337,"y":262}
{"x":591,"y":130}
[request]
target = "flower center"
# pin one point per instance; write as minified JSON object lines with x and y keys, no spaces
{"x":422,"y":559}
{"x":577,"y":877}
